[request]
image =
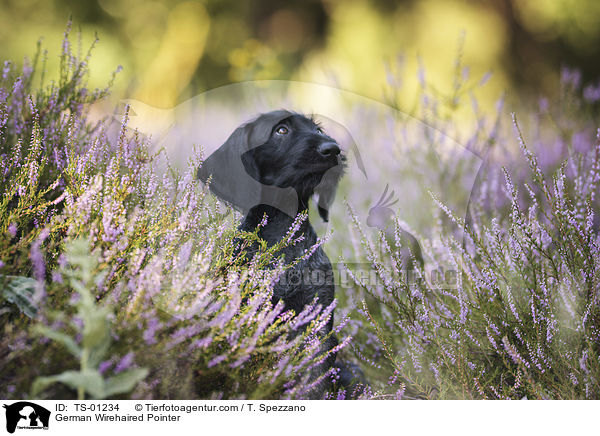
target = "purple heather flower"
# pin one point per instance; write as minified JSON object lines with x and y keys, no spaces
{"x":125,"y":363}
{"x":583,"y":362}
{"x":400,"y":392}
{"x":184,"y":255}
{"x":149,"y":334}
{"x":571,"y":77}
{"x":57,"y":277}
{"x":203,"y":343}
{"x":216,"y":360}
{"x":573,"y":379}
{"x":78,"y":323}
{"x":591,"y":93}
{"x":104,"y":366}
{"x":5,"y":70}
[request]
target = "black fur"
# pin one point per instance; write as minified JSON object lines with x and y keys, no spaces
{"x":273,"y":166}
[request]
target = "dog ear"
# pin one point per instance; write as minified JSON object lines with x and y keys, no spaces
{"x":228,"y":178}
{"x":251,"y":165}
{"x":231,"y":169}
{"x":326,"y":190}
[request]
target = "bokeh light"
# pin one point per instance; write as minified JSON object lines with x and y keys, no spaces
{"x":173,"y":50}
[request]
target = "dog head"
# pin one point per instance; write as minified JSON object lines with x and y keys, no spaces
{"x":279,"y":159}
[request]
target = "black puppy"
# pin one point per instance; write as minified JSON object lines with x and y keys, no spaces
{"x":274,"y":165}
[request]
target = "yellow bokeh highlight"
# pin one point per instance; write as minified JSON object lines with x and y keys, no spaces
{"x":171,"y":50}
{"x":361,"y":38}
{"x":181,"y":48}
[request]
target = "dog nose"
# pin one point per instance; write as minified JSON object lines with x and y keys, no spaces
{"x":329,"y":149}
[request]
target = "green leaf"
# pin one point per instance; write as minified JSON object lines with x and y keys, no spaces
{"x":96,"y":327}
{"x":90,"y":380}
{"x":61,"y":338}
{"x":99,"y":351}
{"x":124,"y":381}
{"x":20,"y":291}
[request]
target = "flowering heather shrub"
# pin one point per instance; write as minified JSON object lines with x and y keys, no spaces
{"x":189,"y":320}
{"x":522,"y":318}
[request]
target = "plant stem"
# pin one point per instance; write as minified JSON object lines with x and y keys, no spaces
{"x":83,"y":364}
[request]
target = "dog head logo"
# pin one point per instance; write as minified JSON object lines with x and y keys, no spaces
{"x":26,"y":415}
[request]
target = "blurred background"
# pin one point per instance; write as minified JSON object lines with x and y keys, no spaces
{"x":173,"y":50}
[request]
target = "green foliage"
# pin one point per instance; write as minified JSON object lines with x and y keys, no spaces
{"x":20,"y":291}
{"x":82,"y":276}
{"x":97,"y":227}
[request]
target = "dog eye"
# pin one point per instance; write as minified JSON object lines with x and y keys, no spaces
{"x":320,"y":131}
{"x":282,"y":130}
